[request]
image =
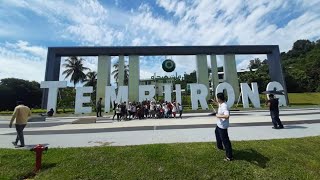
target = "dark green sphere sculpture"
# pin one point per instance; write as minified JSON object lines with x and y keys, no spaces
{"x":168,"y":65}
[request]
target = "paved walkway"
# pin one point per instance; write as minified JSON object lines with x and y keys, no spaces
{"x":195,"y":127}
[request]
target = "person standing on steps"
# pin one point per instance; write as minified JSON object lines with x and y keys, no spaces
{"x":99,"y":108}
{"x":221,"y":131}
{"x":273,"y":104}
{"x":20,"y":115}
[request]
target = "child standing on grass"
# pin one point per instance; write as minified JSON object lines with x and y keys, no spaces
{"x":221,"y":131}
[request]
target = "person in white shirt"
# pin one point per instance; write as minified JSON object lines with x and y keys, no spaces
{"x":129,"y":108}
{"x":165,"y":109}
{"x":221,"y":131}
{"x":118,"y":112}
{"x":174,"y":110}
{"x":152,"y":109}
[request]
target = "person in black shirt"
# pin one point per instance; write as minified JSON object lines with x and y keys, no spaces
{"x":124,"y":111}
{"x":50,"y":112}
{"x":273,"y":104}
{"x":115,"y":105}
{"x":99,"y":108}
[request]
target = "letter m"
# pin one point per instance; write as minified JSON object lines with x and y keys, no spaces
{"x":111,"y":96}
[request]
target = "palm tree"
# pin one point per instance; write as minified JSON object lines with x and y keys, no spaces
{"x":91,"y":80}
{"x":74,"y":68}
{"x":115,"y":73}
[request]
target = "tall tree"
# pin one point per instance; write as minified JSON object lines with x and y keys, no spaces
{"x":255,"y":63}
{"x":115,"y":73}
{"x":66,"y":98}
{"x":75,"y":69}
{"x":91,"y":80}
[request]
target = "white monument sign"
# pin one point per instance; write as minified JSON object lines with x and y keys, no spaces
{"x":199,"y":93}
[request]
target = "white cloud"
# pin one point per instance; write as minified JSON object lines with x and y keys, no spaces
{"x":173,"y":6}
{"x":84,"y":21}
{"x":36,"y":51}
{"x":244,"y":60}
{"x":198,"y":22}
{"x":22,"y":60}
{"x":226,"y":22}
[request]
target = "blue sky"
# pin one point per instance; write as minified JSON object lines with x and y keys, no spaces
{"x":28,"y":27}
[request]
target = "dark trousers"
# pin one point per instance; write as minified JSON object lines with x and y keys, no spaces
{"x":180,"y":116}
{"x":19,"y":128}
{"x":114,"y":114}
{"x":99,"y":110}
{"x":275,"y":119}
{"x":224,"y":141}
{"x":118,"y":116}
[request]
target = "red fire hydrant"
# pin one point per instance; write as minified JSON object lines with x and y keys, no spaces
{"x":38,"y":149}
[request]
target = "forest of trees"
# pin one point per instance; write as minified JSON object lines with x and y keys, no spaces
{"x":301,"y":68}
{"x":12,"y":89}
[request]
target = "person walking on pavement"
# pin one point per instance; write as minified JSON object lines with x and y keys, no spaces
{"x":99,"y":108}
{"x":273,"y":104}
{"x":180,"y":110}
{"x":221,"y":130}
{"x":20,"y":115}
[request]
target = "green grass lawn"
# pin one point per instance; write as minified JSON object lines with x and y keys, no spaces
{"x":273,"y":159}
{"x":304,"y":98}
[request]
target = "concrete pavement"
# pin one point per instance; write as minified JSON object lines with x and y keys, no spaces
{"x":195,"y":127}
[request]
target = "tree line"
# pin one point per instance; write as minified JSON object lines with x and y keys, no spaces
{"x":300,"y":65}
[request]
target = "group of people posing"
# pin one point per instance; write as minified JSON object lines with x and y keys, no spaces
{"x":145,"y":109}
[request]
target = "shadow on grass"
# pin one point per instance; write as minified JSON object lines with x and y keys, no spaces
{"x":294,"y":127}
{"x":302,"y":104}
{"x":251,"y":156}
{"x":44,"y":167}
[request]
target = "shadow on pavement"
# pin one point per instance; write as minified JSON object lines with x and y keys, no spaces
{"x":251,"y":156}
{"x":295,"y":127}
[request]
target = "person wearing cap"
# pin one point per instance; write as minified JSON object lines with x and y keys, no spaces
{"x":221,"y":131}
{"x":20,"y":115}
{"x":273,"y":104}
